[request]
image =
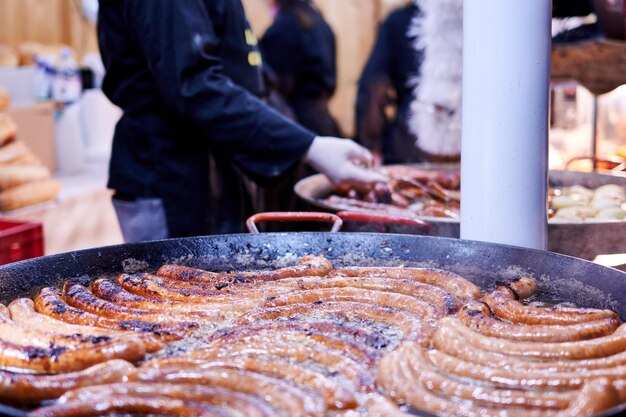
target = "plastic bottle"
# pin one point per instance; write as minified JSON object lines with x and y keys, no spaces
{"x":66,"y":87}
{"x":44,"y":74}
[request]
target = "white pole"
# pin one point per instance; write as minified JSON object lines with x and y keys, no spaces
{"x":506,"y":70}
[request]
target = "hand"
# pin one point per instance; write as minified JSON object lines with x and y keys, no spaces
{"x":343,"y":161}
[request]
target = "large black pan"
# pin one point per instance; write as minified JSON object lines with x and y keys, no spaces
{"x":584,"y":240}
{"x":561,"y":278}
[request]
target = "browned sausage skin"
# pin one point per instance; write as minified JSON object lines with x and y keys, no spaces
{"x":50,"y":302}
{"x":297,"y":401}
{"x":503,"y":301}
{"x":25,"y":389}
{"x":585,"y":349}
{"x":124,"y":405}
{"x":452,"y":283}
{"x":478,"y":317}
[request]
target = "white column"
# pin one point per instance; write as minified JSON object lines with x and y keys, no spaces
{"x":506,"y":70}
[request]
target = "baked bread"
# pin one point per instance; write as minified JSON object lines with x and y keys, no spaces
{"x":12,"y":150}
{"x":28,"y":158}
{"x":5,"y":99}
{"x":8,"y":57}
{"x":29,"y":194}
{"x":12,"y":176}
{"x":8,"y":128}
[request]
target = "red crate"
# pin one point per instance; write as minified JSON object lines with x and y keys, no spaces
{"x":20,"y":240}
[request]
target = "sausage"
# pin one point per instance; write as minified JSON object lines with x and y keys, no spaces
{"x":23,"y":311}
{"x":336,"y":394}
{"x":119,"y":404}
{"x":412,"y":327}
{"x":110,"y":291}
{"x":521,"y":380}
{"x":332,"y":362}
{"x":296,"y":401}
{"x":19,"y":334}
{"x":25,"y":389}
{"x":455,"y":344}
{"x":480,"y":394}
{"x":327,"y":335}
{"x":80,"y":297}
{"x":524,"y":287}
{"x":242,"y":404}
{"x":59,"y":359}
{"x":478,"y":317}
{"x":419,"y":308}
{"x":49,"y":302}
{"x":375,"y":405}
{"x":429,"y":293}
{"x":398,"y":379}
{"x":597,"y":396}
{"x":311,"y":266}
{"x":502,"y":301}
{"x":454,"y":284}
{"x":161,"y":289}
{"x":586,"y":349}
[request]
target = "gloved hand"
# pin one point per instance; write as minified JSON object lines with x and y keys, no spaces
{"x":342,"y":161}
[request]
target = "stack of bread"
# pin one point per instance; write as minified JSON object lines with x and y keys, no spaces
{"x":24,"y":180}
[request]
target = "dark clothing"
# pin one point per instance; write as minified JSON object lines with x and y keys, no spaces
{"x":299,"y":47}
{"x":570,"y":8}
{"x":392,"y":65}
{"x":187,"y":75}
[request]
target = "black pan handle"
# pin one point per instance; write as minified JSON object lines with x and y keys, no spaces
{"x":293,"y":216}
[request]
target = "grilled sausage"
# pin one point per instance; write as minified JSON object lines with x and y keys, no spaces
{"x":375,"y":405}
{"x":520,"y":380}
{"x":78,"y":296}
{"x":296,"y":401}
{"x":455,"y":344}
{"x":23,"y":311}
{"x":452,"y":283}
{"x":399,"y":379}
{"x":59,"y":359}
{"x":586,"y":349}
{"x":412,"y":327}
{"x":478,"y":317}
{"x":49,"y":302}
{"x":25,"y":389}
{"x":439,"y":383}
{"x":242,"y":404}
{"x":504,"y":304}
{"x":326,"y":335}
{"x":310,"y":266}
{"x":110,"y":291}
{"x":332,"y":362}
{"x":162,"y":289}
{"x":123,"y":405}
{"x":336,"y":394}
{"x":429,"y":293}
{"x":402,"y":302}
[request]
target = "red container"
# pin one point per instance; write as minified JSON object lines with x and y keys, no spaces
{"x":20,"y":240}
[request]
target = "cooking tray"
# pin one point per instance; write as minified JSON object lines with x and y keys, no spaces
{"x":561,"y":278}
{"x":582,"y":240}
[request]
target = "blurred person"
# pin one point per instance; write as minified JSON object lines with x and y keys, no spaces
{"x":188,"y":78}
{"x":299,"y":48}
{"x":386,"y":90}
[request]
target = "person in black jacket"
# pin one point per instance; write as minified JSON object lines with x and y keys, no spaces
{"x":299,"y":48}
{"x":386,"y":82}
{"x":187,"y":75}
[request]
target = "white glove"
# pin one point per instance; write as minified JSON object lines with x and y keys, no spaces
{"x":342,"y":161}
